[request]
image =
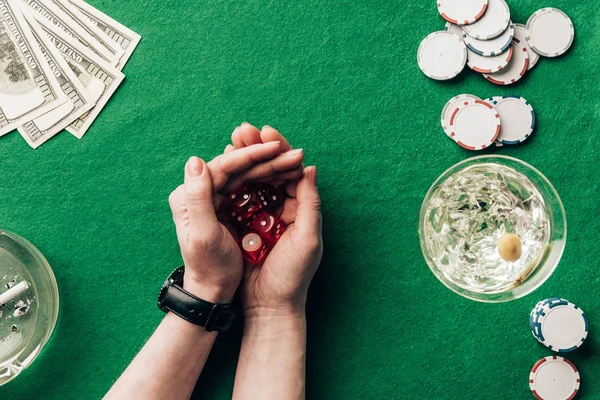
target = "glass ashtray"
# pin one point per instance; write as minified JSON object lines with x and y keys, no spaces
{"x":28,"y":304}
{"x":492,"y":228}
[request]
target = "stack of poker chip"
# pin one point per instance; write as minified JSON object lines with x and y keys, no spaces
{"x":558,"y":324}
{"x":562,"y":327}
{"x":476,"y":124}
{"x":480,"y":34}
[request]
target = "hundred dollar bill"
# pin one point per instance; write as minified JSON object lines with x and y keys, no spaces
{"x":125,"y":37}
{"x":28,"y":88}
{"x":42,"y":128}
{"x":48,"y":10}
{"x":90,"y":28}
{"x":99,"y":78}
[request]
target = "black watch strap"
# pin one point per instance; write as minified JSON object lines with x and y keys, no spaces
{"x":214,"y":317}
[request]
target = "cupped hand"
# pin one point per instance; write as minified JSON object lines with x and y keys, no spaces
{"x":209,"y":248}
{"x":280,"y":285}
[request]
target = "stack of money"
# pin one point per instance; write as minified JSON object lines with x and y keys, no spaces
{"x":60,"y":62}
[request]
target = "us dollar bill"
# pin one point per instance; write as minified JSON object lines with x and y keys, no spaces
{"x":125,"y":37}
{"x":49,"y":11}
{"x":99,"y":78}
{"x":28,"y":87}
{"x":89,"y":27}
{"x":42,"y":128}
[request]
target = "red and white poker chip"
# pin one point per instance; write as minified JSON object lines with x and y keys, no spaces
{"x":554,"y":378}
{"x":474,"y":124}
{"x":462,"y":12}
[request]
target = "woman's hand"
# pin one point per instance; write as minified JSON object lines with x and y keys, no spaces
{"x":280,"y":285}
{"x":209,"y":248}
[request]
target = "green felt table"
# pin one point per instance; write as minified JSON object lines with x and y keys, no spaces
{"x":340,"y":79}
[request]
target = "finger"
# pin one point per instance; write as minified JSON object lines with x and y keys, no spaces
{"x":290,"y":189}
{"x":225,"y":165}
{"x":199,"y":198}
{"x":180,"y":214}
{"x":282,"y":163}
{"x":248,"y":135}
{"x":229,"y":148}
{"x":308,"y":214}
{"x":269,"y":134}
{"x":290,"y":209}
{"x":235,"y":138}
{"x":278,"y":182}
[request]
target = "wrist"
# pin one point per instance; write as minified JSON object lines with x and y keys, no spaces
{"x":274,"y":324}
{"x":211,"y":293}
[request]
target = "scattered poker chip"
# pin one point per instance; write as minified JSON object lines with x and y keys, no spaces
{"x":550,"y":32}
{"x":474,"y":124}
{"x":517,"y":116}
{"x":451,"y":105}
{"x":514,"y":71}
{"x":520,"y":38}
{"x":488,"y":65}
{"x":492,"y":24}
{"x":492,"y":47}
{"x":554,"y":378}
{"x":442,"y":55}
{"x":462,"y":12}
{"x":561,"y":326}
{"x":453,"y":28}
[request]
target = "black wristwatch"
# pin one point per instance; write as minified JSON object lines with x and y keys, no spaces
{"x":173,"y":298}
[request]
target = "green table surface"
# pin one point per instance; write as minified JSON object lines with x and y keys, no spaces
{"x":340,"y":79}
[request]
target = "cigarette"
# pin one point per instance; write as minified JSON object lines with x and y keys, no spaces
{"x":13,"y":292}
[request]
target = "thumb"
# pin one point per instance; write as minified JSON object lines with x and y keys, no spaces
{"x":308,"y":214}
{"x":199,"y":198}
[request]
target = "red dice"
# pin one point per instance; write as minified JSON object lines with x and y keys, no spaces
{"x":254,"y":248}
{"x":243,"y":205}
{"x":268,"y":226}
{"x":270,"y":196}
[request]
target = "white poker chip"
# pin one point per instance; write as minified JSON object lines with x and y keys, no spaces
{"x":550,"y":32}
{"x":488,"y":65}
{"x":442,"y":55}
{"x":520,"y":38}
{"x":492,"y":47}
{"x":554,"y":378}
{"x":453,"y":28}
{"x":562,"y":327}
{"x":515,"y":69}
{"x":517,"y":116}
{"x":493,"y":23}
{"x":474,"y":124}
{"x":462,"y":12}
{"x":451,"y":105}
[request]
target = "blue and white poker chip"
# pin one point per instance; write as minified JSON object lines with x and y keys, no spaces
{"x":493,"y":47}
{"x":517,"y":116}
{"x":558,"y":324}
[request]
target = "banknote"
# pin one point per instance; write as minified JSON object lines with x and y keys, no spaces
{"x":100,"y":79}
{"x":28,"y":87}
{"x":51,"y":12}
{"x":42,"y":128}
{"x":125,"y":37}
{"x":90,"y":28}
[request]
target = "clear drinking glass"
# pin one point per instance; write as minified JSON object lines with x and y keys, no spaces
{"x":475,"y":203}
{"x":27,"y":320}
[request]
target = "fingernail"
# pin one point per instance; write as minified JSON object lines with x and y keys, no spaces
{"x":294,"y":152}
{"x":266,"y":126}
{"x":244,"y":123}
{"x":277,"y":142}
{"x":194,"y":167}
